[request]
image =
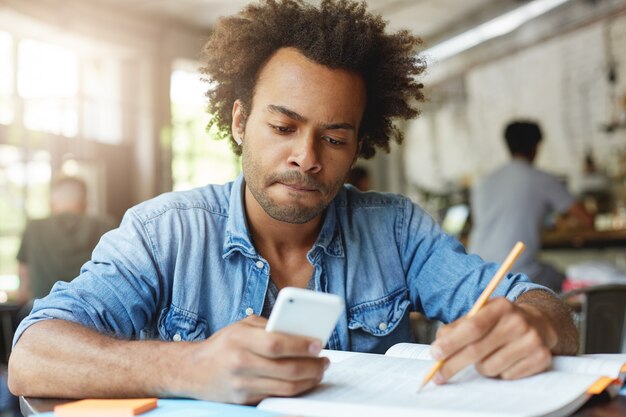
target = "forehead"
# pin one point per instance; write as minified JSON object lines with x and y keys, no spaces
{"x":311,"y":89}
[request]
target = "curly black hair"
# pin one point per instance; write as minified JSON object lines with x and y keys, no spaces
{"x":339,"y":34}
{"x":522,"y":137}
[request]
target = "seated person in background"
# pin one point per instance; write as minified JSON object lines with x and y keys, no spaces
{"x":53,"y":249}
{"x":360,"y":178}
{"x":512,"y":203}
{"x":305,"y":91}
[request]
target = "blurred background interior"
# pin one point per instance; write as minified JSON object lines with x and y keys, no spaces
{"x":109,"y":90}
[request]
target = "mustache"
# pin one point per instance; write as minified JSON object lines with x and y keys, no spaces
{"x":297,"y":178}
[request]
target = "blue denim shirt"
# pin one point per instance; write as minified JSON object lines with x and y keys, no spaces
{"x":182,"y":266}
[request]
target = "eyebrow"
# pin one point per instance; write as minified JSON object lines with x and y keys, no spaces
{"x":300,"y":118}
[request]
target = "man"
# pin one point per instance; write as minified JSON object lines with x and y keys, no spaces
{"x":53,"y":249}
{"x":305,"y":91}
{"x":512,"y":204}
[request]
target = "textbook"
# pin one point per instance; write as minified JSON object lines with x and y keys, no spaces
{"x":386,"y":385}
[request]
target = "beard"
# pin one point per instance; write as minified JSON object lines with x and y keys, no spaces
{"x":293,"y":212}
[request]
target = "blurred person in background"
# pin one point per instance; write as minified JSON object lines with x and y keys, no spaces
{"x":54,"y":248}
{"x":513,"y":202}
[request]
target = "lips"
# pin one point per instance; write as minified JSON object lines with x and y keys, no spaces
{"x":299,"y":187}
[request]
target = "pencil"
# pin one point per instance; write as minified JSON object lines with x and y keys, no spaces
{"x":482,"y":300}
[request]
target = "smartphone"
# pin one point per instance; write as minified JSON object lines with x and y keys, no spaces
{"x":305,"y":313}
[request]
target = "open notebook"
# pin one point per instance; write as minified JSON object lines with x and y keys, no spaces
{"x":386,"y":385}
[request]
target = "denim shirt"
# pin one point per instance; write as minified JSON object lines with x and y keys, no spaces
{"x":182,"y":266}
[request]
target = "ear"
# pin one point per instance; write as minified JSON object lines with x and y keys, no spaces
{"x":237,"y":126}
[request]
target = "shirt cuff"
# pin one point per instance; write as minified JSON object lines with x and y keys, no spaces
{"x":523,"y":287}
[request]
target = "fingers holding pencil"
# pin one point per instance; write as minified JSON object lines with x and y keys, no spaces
{"x":496,"y":340}
{"x":472,"y":338}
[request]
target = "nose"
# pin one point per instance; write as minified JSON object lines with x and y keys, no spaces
{"x":305,"y":154}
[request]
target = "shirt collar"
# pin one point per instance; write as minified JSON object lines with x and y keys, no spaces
{"x":237,"y":237}
{"x":329,"y":238}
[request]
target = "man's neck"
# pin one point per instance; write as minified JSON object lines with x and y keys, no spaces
{"x":523,"y":158}
{"x":269,"y":234}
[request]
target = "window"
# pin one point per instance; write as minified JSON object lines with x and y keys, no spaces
{"x":24,"y":188}
{"x":6,"y":78}
{"x":197,"y":157}
{"x":47,"y":80}
{"x":52,"y":100}
{"x":102,"y":103}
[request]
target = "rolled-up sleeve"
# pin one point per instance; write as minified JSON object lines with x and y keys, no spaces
{"x":445,"y":281}
{"x":117,"y":291}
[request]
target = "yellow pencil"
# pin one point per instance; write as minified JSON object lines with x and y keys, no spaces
{"x":504,"y":268}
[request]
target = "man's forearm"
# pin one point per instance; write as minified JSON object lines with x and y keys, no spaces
{"x":555,"y":314}
{"x":56,"y":358}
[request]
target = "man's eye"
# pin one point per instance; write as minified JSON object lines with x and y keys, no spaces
{"x":281,"y":129}
{"x":332,"y":141}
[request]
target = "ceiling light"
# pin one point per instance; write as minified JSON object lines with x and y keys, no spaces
{"x":499,"y":26}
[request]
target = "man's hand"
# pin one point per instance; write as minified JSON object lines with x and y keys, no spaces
{"x":505,"y":339}
{"x":243,"y":364}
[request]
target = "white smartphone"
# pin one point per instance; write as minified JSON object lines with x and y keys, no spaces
{"x":305,"y":313}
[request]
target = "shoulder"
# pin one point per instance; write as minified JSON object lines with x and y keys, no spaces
{"x":496,"y":175}
{"x":351,"y":198}
{"x":376,"y":207}
{"x":212,"y":198}
{"x":547,"y":178}
{"x":36,"y":225}
{"x":100,"y":221}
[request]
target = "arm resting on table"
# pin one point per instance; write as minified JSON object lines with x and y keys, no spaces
{"x":56,"y":358}
{"x":241,"y":363}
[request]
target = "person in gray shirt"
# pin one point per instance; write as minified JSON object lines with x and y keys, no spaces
{"x":512,"y":203}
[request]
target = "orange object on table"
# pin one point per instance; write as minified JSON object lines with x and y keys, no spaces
{"x":105,"y":408}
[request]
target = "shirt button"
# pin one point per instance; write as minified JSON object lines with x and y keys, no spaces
{"x":177,"y":337}
{"x":259,"y":264}
{"x":249,"y":311}
{"x":382,"y":326}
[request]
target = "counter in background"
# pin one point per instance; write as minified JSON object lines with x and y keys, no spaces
{"x":583,"y":239}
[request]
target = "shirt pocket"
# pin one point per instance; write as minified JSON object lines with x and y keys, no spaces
{"x":176,"y":324}
{"x":378,"y":324}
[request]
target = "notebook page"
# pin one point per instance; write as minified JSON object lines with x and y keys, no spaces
{"x":620,"y":357}
{"x":337,"y":355}
{"x":410,"y":350}
{"x":370,"y":383}
{"x":588,"y":365}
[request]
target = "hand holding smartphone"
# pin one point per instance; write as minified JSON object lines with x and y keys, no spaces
{"x":305,"y":313}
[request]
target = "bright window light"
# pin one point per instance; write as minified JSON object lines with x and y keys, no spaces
{"x":499,"y":26}
{"x":197,"y":158}
{"x":8,"y":283}
{"x":47,"y":80}
{"x":6,"y":78}
{"x":6,"y":64}
{"x":102,"y":100}
{"x":186,"y":87}
{"x":46,"y":70}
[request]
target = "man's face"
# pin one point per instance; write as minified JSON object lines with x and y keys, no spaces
{"x":300,"y":138}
